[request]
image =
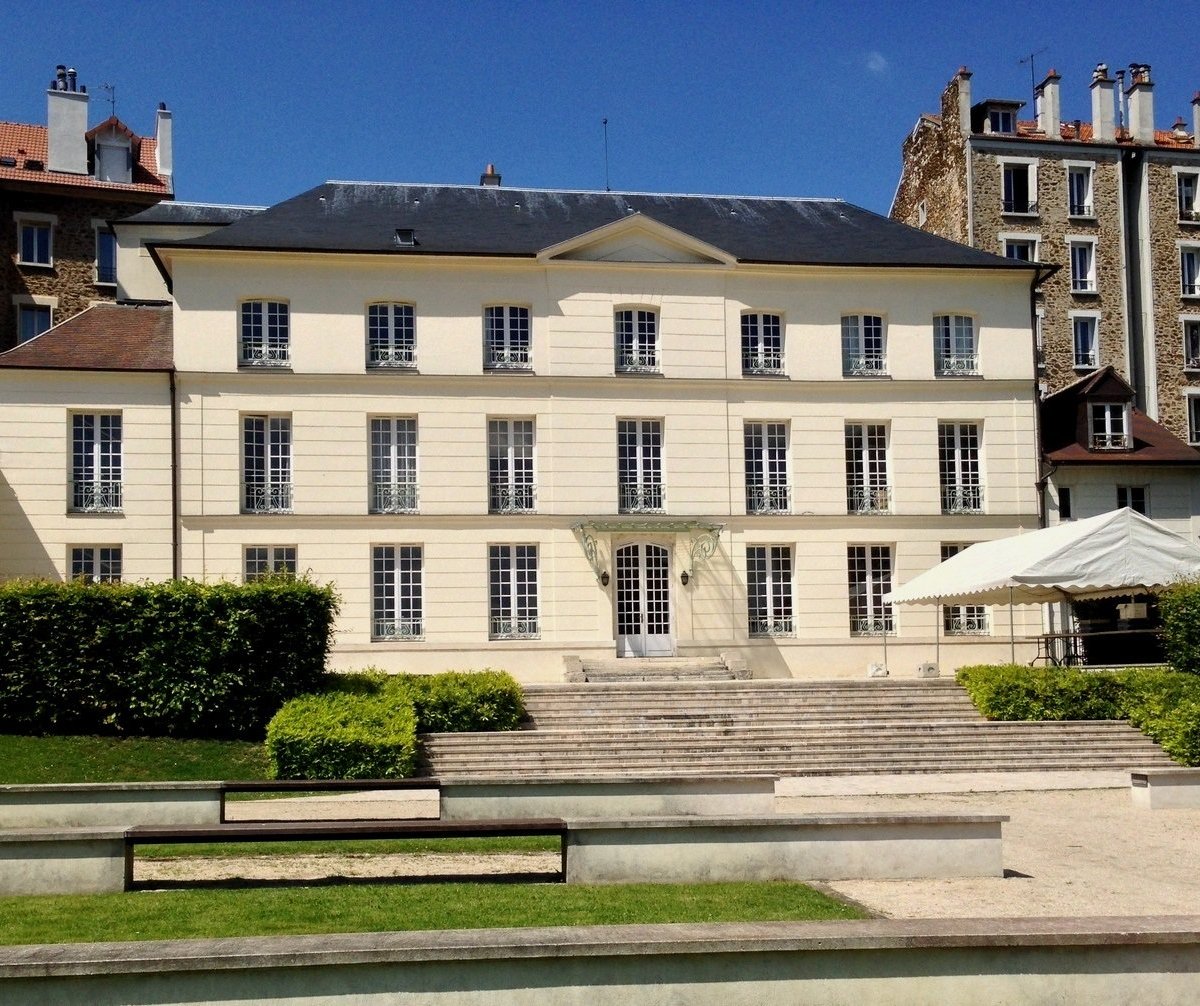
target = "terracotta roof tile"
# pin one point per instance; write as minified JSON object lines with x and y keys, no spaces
{"x":24,"y":142}
{"x":104,"y":337}
{"x":1027,"y":129}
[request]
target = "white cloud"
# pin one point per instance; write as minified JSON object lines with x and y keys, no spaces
{"x":876,"y":62}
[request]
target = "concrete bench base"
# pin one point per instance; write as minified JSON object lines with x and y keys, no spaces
{"x":748,"y":796}
{"x":1165,"y":788}
{"x":66,"y":861}
{"x":783,"y":847}
{"x":109,"y":805}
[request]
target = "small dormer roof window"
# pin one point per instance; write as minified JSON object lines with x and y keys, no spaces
{"x":112,"y":144}
{"x":996,"y":115}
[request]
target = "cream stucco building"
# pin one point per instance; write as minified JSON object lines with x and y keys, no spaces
{"x":510,"y":425}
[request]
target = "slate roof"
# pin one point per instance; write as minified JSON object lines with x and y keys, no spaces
{"x":102,"y":337}
{"x":25,"y":143}
{"x":180,"y":213}
{"x":494,"y":220}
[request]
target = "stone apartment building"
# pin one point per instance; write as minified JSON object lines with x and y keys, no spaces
{"x":60,"y":186}
{"x":1112,"y":205}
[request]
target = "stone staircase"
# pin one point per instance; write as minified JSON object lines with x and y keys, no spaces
{"x":727,"y":727}
{"x":704,"y":668}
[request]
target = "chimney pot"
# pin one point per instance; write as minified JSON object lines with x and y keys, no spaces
{"x":1047,"y":101}
{"x":1140,"y":98}
{"x":1103,"y":92}
{"x":490,"y":176}
{"x":71,"y":78}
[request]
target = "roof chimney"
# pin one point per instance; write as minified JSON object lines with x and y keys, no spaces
{"x":1048,"y":102}
{"x":490,"y":177}
{"x":1196,"y":119}
{"x":963,"y":80}
{"x":1141,"y":103}
{"x":66,"y":124}
{"x":164,"y":160}
{"x":1103,"y":90}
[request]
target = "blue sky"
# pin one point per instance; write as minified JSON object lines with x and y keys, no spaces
{"x":799,"y":99}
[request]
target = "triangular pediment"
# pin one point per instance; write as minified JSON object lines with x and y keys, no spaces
{"x":637,"y":239}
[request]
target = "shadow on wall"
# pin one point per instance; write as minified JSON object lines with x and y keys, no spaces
{"x":21,"y":551}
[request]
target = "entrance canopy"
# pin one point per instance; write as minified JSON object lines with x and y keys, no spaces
{"x":1115,"y":553}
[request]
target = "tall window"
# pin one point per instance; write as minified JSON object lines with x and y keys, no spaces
{"x":1191,"y":343}
{"x":1193,"y":410}
{"x":958,"y":467}
{"x":510,"y":465}
{"x":636,"y":333}
{"x":955,"y":350}
{"x":1189,"y":271}
{"x":867,"y":489}
{"x":266,"y":464}
{"x":1187,"y":185}
{"x":32,"y":320}
{"x":639,"y":465}
{"x":1135,"y":497}
{"x":869,"y":577}
{"x":962,"y":619}
{"x":35,"y":243}
{"x":1019,"y":189}
{"x":762,"y":344}
{"x":96,"y":461}
{"x":1079,"y":191}
{"x":106,"y":257}
{"x":260,"y":561}
{"x":863,"y":350}
{"x":396,"y":594}
{"x":1084,"y":329}
{"x":394,"y":465}
{"x":1109,"y":426}
{"x":97,"y":564}
{"x":506,"y":338}
{"x":766,"y":468}
{"x":769,"y":590}
{"x":391,"y":336}
{"x":512,"y":591}
{"x":265,"y":338}
{"x":1083,"y":267}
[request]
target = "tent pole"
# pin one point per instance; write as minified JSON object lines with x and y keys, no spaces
{"x":1012,"y":630}
{"x":937,"y":635}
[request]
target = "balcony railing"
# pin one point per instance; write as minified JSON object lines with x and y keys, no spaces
{"x":513,"y":628}
{"x":1192,"y":363}
{"x":868,"y":499}
{"x":397,"y":628}
{"x":106,"y":274}
{"x":1189,"y":216}
{"x":873,"y":365}
{"x":958,"y":365}
{"x":871,"y":626}
{"x":762,"y":363}
{"x":642,"y":497}
{"x":965,"y":625}
{"x":768,"y":499}
{"x":1191,"y":289}
{"x":1082,"y":210}
{"x":637,"y":361}
{"x":772,"y":628}
{"x":1085,"y":361}
{"x":394,"y":497}
{"x":962,"y":499}
{"x":264,"y":356}
{"x":508,"y":498}
{"x":96,"y":497}
{"x":501,"y":358}
{"x":1110,"y":441}
{"x":1083,"y":284}
{"x":267,"y":499}
{"x":392,"y":356}
{"x":1020,"y":206}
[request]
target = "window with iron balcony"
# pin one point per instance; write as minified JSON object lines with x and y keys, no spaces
{"x":869,"y":580}
{"x":1189,"y":271}
{"x":1191,"y":343}
{"x":639,"y":466}
{"x":864,"y":350}
{"x":397,"y":597}
{"x":963,"y":619}
{"x":391,"y":336}
{"x":1109,"y":426}
{"x":955,"y":351}
{"x":767,"y":489}
{"x":511,"y":487}
{"x":1187,"y":185}
{"x":636,"y":335}
{"x":762,"y":344}
{"x":1083,"y":267}
{"x":1079,"y":191}
{"x":507,"y":343}
{"x":512,"y":591}
{"x":769,"y":602}
{"x":958,"y":468}
{"x":266,"y":464}
{"x":265,"y":336}
{"x":1083,"y":328}
{"x":96,"y":465}
{"x":867,"y":487}
{"x":1020,"y":189}
{"x":393,"y":464}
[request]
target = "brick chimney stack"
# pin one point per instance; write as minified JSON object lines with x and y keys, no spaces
{"x":1140,"y":94}
{"x":963,"y":80}
{"x":1103,"y":91}
{"x":1048,"y":101}
{"x":1196,"y":119}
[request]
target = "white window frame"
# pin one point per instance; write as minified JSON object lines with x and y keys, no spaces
{"x":1189,"y":325}
{"x":635,"y":340}
{"x":1039,"y":336}
{"x":1030,"y":164}
{"x":391,"y":335}
{"x":1112,"y":431}
{"x":512,"y":465}
{"x":38,"y":221}
{"x":1128,"y":493}
{"x":267,"y":467}
{"x":1189,"y":269}
{"x":768,"y":490}
{"x":1085,"y":285}
{"x":1193,"y":414}
{"x":116,"y":143}
{"x":960,"y":466}
{"x":963,"y":619}
{"x":770,"y":591}
{"x":1010,"y":239}
{"x":260,"y":561}
{"x":762,"y":344}
{"x":1079,"y":362}
{"x":23,"y":302}
{"x":868,"y":482}
{"x":392,"y":443}
{"x":507,"y":337}
{"x":870,"y":615}
{"x":1003,"y":116}
{"x":864,"y":345}
{"x":265,"y":340}
{"x":641,"y":487}
{"x":100,"y":229}
{"x":97,"y":463}
{"x":95,"y":563}
{"x":397,"y":592}
{"x":513,"y":591}
{"x":1189,"y":210}
{"x":955,"y":345}
{"x":1087,"y":169}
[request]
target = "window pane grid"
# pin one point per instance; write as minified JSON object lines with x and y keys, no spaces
{"x":767,"y":489}
{"x":637,"y":341}
{"x":268,"y":560}
{"x":97,"y":564}
{"x":35,"y":244}
{"x":267,"y":464}
{"x":265,"y":340}
{"x":96,"y":462}
{"x":396,"y":594}
{"x":507,"y":340}
{"x":639,"y":465}
{"x":963,"y":619}
{"x":869,"y":573}
{"x":511,"y":486}
{"x":1084,"y":330}
{"x":769,"y":590}
{"x":867,"y":488}
{"x":958,"y":468}
{"x":954,"y":344}
{"x":1189,"y":272}
{"x":391,"y":336}
{"x":393,"y":465}
{"x":762,"y":344}
{"x":863,"y":352}
{"x":1108,"y":431}
{"x":512,"y":591}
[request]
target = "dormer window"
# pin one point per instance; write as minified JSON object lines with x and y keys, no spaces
{"x":114,"y":159}
{"x":1002,"y":120}
{"x":1109,"y":426}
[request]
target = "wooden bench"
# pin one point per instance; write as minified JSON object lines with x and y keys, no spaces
{"x":321,"y":786}
{"x":302,"y":831}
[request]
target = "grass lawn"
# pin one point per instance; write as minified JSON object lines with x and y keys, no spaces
{"x":126,"y":759}
{"x":182,"y":914}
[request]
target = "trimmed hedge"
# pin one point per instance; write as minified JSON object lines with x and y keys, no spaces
{"x":179,"y":659}
{"x":1179,"y":607}
{"x":1164,"y":705}
{"x":364,"y":725}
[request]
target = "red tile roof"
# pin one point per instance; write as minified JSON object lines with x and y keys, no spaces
{"x":1027,"y":129}
{"x":104,"y":337}
{"x":25,"y":142}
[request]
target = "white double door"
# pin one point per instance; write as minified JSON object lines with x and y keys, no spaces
{"x":644,"y":601}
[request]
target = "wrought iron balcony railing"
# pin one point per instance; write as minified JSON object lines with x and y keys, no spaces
{"x":634,"y":361}
{"x":1085,"y":361}
{"x":394,"y":497}
{"x":872,"y":365}
{"x":772,"y":627}
{"x":96,"y":497}
{"x":500,"y":358}
{"x":768,"y":499}
{"x":392,"y":356}
{"x":868,"y":499}
{"x":1110,"y":441}
{"x":264,"y":356}
{"x":871,"y":626}
{"x":1082,"y":210}
{"x":1020,"y":206}
{"x":640,"y":497}
{"x":957,"y":364}
{"x":507,"y":498}
{"x":762,"y":363}
{"x":267,"y":498}
{"x":514,"y":628}
{"x":106,"y":274}
{"x":962,"y":499}
{"x":1192,"y":363}
{"x":397,"y":628}
{"x":966,"y":625}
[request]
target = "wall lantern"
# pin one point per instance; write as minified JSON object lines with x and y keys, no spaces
{"x":683,"y":578}
{"x":604,"y":579}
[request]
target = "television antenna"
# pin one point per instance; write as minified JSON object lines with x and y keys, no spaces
{"x":112,"y":98}
{"x":1032,"y":72}
{"x":604,"y":123}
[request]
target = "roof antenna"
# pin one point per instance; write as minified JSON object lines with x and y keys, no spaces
{"x":112,"y":98}
{"x":604,"y":123}
{"x":1032,"y":72}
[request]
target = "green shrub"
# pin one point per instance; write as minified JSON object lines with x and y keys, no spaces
{"x":462,"y":701}
{"x":166,"y":659}
{"x":341,"y":735}
{"x":1180,"y":609}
